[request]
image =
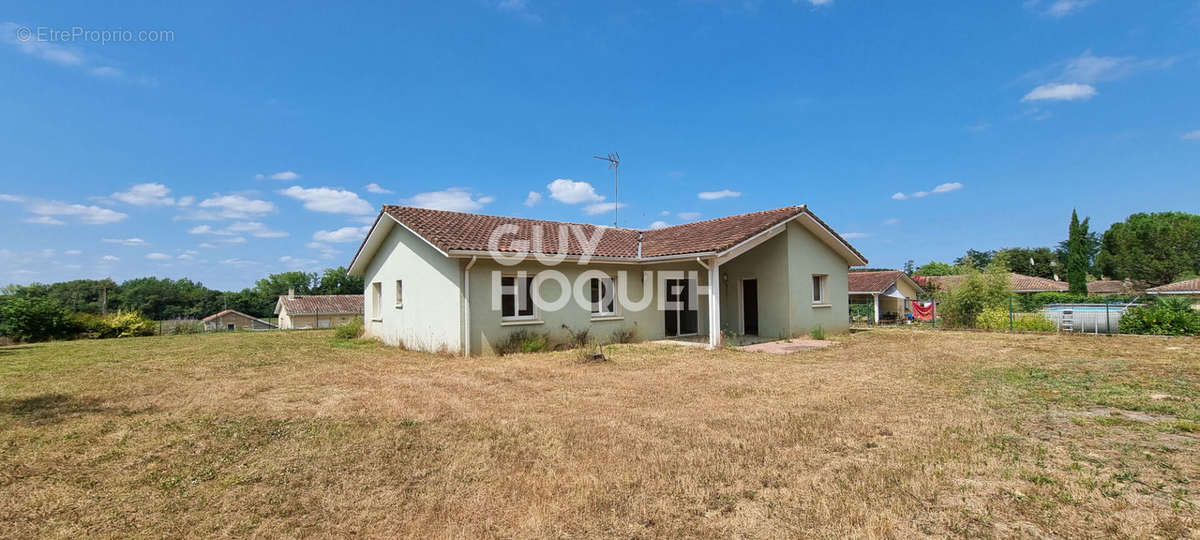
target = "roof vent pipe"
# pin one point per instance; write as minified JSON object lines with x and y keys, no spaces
{"x":291,"y":293}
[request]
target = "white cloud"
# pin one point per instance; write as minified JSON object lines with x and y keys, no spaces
{"x":125,"y":241}
{"x":110,"y":258}
{"x":688,"y":216}
{"x":1191,"y":136}
{"x":940,"y":188}
{"x":255,"y":229}
{"x":600,"y":208}
{"x":1088,"y":68}
{"x":520,"y":8}
{"x":91,"y":215}
{"x":45,"y":220}
{"x":185,"y":201}
{"x":571,"y":192}
{"x":148,"y":194}
{"x":1060,"y":92}
{"x":344,"y":234}
{"x":234,"y":240}
{"x":1062,"y":8}
{"x":820,"y":3}
{"x":376,"y":188}
{"x":260,"y":176}
{"x":659,"y":225}
{"x":533,"y":198}
{"x":285,"y":175}
{"x":207,"y":245}
{"x":157,"y":256}
{"x":854,"y":235}
{"x":4,"y":197}
{"x":203,"y":229}
{"x":329,"y":200}
{"x":46,"y":50}
{"x":185,"y":257}
{"x":296,"y":262}
{"x":237,"y":262}
{"x":72,"y":252}
{"x":665,"y":213}
{"x":712,"y":195}
{"x":327,"y":252}
{"x":891,"y":221}
{"x":235,"y":207}
{"x":454,"y":199}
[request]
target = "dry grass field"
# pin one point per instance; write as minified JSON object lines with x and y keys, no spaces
{"x":888,"y":433}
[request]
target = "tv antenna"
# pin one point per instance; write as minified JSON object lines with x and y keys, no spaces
{"x":614,"y":161}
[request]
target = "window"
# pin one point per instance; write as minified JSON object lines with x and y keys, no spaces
{"x":376,"y":299}
{"x":603,"y":297}
{"x":399,"y":293}
{"x":818,"y":289}
{"x":516,"y":297}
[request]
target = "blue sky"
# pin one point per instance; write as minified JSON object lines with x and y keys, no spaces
{"x":259,"y":141}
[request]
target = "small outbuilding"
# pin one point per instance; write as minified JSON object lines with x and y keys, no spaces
{"x":298,"y":312}
{"x":234,"y":320}
{"x":890,"y":293}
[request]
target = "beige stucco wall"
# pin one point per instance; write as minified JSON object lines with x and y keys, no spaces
{"x":768,"y":264}
{"x":303,"y":322}
{"x":241,"y":323}
{"x":488,"y":330}
{"x":808,"y":255}
{"x":430,"y":319}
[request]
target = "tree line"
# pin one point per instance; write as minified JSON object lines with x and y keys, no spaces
{"x":165,"y":298}
{"x":1149,"y":249}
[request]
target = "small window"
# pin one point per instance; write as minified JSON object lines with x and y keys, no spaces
{"x":603,"y":297}
{"x":399,"y":293}
{"x":376,"y":299}
{"x":516,"y":297}
{"x":819,"y":289}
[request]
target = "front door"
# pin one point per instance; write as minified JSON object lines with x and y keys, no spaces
{"x":750,"y":307}
{"x":680,"y":317}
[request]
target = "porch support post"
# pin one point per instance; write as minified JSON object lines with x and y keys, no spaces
{"x":714,"y":303}
{"x":876,"y":295}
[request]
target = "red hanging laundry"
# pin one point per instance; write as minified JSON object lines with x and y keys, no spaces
{"x":923,"y":311}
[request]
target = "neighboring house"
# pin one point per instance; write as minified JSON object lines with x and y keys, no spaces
{"x":297,"y":312}
{"x":1189,"y":289}
{"x":889,"y":292}
{"x":1018,"y":283}
{"x":234,"y":320}
{"x":432,"y":282}
{"x":1110,"y":286}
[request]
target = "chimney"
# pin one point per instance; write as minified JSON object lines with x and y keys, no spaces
{"x":291,"y":293}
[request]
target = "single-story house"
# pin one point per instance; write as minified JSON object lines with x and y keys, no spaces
{"x":317,"y":310}
{"x":234,"y":320}
{"x":890,"y":293}
{"x":1189,"y":288}
{"x":453,"y":281}
{"x":1018,"y":283}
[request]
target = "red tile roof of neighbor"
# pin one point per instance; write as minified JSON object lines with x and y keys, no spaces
{"x":1190,"y":286}
{"x":1017,"y":283}
{"x":875,"y":281}
{"x":1106,"y":286}
{"x":470,"y":232}
{"x":323,"y":303}
{"x":220,"y":314}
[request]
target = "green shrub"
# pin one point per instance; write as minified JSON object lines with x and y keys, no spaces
{"x":1167,"y":317}
{"x":993,"y":318}
{"x":1034,"y":322}
{"x":624,"y":335}
{"x":349,"y":330}
{"x":961,"y":306}
{"x":524,"y":341}
{"x":996,"y":318}
{"x":118,"y":325}
{"x":36,"y":319}
{"x":817,"y":333}
{"x":577,"y":339}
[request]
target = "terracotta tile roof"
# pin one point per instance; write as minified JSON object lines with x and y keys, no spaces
{"x":1017,"y":283}
{"x":873,"y":281}
{"x":1190,"y":286}
{"x":232,"y":312}
{"x":1106,"y":286}
{"x":471,"y":232}
{"x":713,"y":234}
{"x":323,"y":303}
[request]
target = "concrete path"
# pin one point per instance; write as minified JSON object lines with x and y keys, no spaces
{"x":787,"y":346}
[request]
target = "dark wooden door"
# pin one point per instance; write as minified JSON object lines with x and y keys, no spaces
{"x":750,"y":306}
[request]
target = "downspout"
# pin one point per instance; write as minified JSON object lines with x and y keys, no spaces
{"x":466,"y":347}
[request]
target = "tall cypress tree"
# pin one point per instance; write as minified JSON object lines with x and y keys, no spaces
{"x":1077,"y":255}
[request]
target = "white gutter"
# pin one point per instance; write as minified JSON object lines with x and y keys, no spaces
{"x":466,"y":348}
{"x":701,"y":261}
